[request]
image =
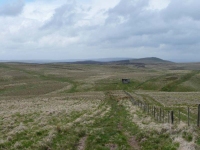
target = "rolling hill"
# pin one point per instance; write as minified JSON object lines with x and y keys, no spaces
{"x":149,"y":60}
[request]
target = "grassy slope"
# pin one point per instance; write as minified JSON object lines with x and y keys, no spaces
{"x":117,"y":129}
{"x":174,"y":86}
{"x":110,"y":130}
{"x":38,"y":76}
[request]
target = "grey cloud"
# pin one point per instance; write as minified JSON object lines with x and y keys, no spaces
{"x":130,"y":24}
{"x":126,"y":9}
{"x":178,"y":9}
{"x":128,"y":27}
{"x":12,"y":9}
{"x":64,"y":16}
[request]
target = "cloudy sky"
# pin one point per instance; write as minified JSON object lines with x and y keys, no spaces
{"x":86,"y":29}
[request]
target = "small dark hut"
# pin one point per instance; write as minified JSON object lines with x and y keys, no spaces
{"x":125,"y":81}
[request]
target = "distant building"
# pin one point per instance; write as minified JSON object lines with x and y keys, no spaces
{"x":125,"y":81}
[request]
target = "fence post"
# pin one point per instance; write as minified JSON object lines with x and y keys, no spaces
{"x":154,"y":111}
{"x":148,"y":108}
{"x":198,"y":115}
{"x":188,"y":116}
{"x":172,"y":117}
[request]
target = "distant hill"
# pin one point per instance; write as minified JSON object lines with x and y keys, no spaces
{"x":111,"y":59}
{"x":149,"y":60}
{"x":138,"y":62}
{"x":87,"y":62}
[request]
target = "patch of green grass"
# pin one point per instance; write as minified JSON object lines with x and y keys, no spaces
{"x":42,"y":76}
{"x":64,"y":120}
{"x":27,"y":138}
{"x":187,"y":136}
{"x":173,"y":86}
{"x":150,"y":84}
{"x":112,"y":128}
{"x":116,"y":123}
{"x":73,"y":88}
{"x":150,"y":100}
{"x":151,"y":140}
{"x":65,"y":139}
{"x":116,"y":85}
{"x":198,"y":141}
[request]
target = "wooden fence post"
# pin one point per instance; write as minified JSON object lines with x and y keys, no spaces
{"x":172,"y":117}
{"x":188,"y":116}
{"x":198,"y":118}
{"x":154,"y":111}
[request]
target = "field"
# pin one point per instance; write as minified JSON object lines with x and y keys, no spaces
{"x":86,"y":107}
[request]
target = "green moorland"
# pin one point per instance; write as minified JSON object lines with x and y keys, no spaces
{"x":85,"y":107}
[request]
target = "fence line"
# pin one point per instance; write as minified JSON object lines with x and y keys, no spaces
{"x":173,"y":116}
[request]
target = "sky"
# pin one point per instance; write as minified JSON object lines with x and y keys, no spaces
{"x":89,"y":29}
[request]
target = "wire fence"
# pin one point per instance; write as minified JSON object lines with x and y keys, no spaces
{"x":173,"y":115}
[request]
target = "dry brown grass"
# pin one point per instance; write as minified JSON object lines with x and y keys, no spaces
{"x":174,"y":98}
{"x":38,"y":102}
{"x":34,"y":115}
{"x":146,"y":123}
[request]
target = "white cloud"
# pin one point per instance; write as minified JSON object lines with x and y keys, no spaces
{"x":93,"y":28}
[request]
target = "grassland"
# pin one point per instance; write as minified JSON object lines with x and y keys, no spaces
{"x":74,"y":106}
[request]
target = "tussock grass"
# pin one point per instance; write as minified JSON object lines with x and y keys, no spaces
{"x":63,"y":106}
{"x":32,"y":123}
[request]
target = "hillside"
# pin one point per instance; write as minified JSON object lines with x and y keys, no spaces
{"x":149,"y":60}
{"x":87,"y":107}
